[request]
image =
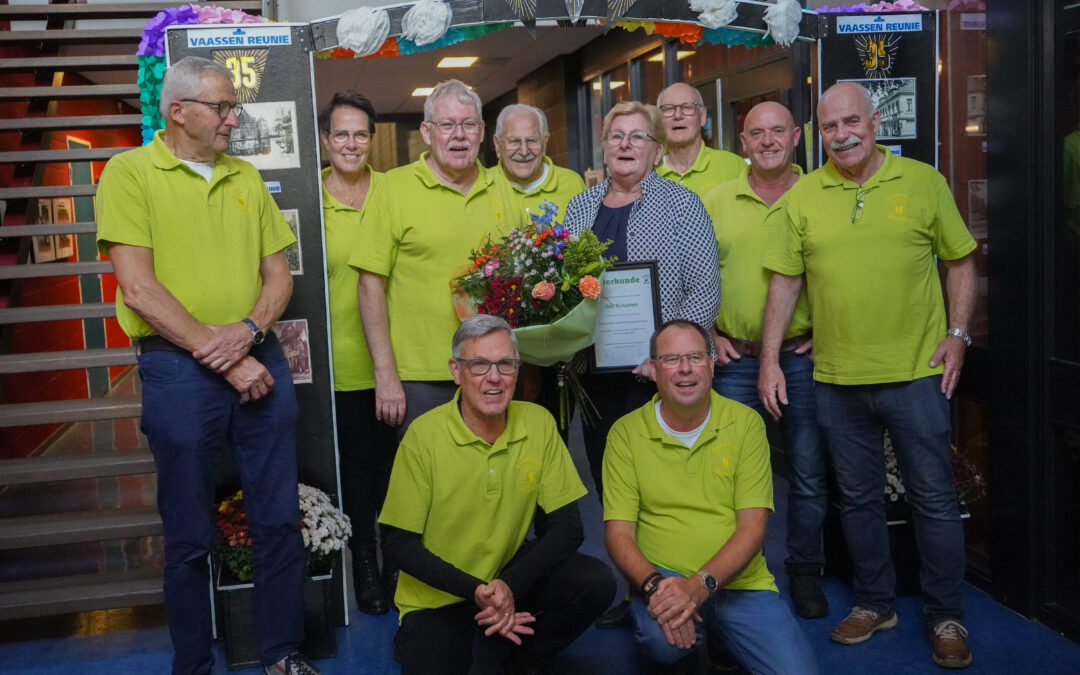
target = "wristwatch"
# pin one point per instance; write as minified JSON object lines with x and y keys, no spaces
{"x":257,"y":336}
{"x":960,"y":333}
{"x":710,"y":581}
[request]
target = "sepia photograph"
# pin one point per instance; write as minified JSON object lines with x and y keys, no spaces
{"x":44,"y":250}
{"x":267,"y":136}
{"x":293,"y":335}
{"x":977,"y":208}
{"x":64,"y":212}
{"x":293,"y":253}
{"x":895,"y":99}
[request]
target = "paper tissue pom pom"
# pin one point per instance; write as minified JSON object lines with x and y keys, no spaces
{"x":363,"y":30}
{"x":783,"y":21}
{"x":714,"y":13}
{"x":426,"y":21}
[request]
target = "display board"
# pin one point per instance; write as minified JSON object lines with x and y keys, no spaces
{"x":895,"y":57}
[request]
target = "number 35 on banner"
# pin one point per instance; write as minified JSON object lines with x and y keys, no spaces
{"x":247,"y":67}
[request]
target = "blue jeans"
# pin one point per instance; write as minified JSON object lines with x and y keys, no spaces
{"x":916,"y":415}
{"x":757,"y":627}
{"x":189,"y":415}
{"x":809,"y":490}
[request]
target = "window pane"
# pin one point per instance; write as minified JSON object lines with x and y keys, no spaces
{"x":596,"y":117}
{"x":652,"y":76}
{"x":620,"y":84}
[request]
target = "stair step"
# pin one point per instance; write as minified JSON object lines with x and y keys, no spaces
{"x":88,"y":62}
{"x":38,"y":362}
{"x":109,"y":10}
{"x":85,"y":227}
{"x":77,"y":122}
{"x":74,"y":467}
{"x":54,"y":270}
{"x":86,"y":310}
{"x":69,"y":92}
{"x":45,"y":191}
{"x":77,"y":410}
{"x":58,"y":156}
{"x":71,"y":36}
{"x":79,"y":593}
{"x":54,"y":529}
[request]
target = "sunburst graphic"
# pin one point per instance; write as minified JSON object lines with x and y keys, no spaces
{"x":616,"y":9}
{"x":524,"y":9}
{"x":247,"y":67}
{"x":877,"y":53}
{"x":573,"y":8}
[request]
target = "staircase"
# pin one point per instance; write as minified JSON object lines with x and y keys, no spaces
{"x":79,"y":530}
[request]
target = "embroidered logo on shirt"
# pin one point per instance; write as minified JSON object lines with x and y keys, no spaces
{"x":239,"y":197}
{"x":721,"y":457}
{"x":528,"y":472}
{"x":897,"y":204}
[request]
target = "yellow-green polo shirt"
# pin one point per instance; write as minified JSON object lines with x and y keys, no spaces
{"x":208,"y":239}
{"x":473,"y":502}
{"x":874,"y":287}
{"x":559,"y":186}
{"x":684,"y":500}
{"x":738,"y":218}
{"x":711,"y":168}
{"x":352,"y":362}
{"x":419,"y":233}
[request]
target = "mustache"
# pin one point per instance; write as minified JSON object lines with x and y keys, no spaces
{"x":523,"y":157}
{"x":459,"y":145}
{"x":836,"y":145}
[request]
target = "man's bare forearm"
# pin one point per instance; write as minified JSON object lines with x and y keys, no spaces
{"x":371,"y":298}
{"x":277,"y":284}
{"x":741,"y":547}
{"x":783,"y":294}
{"x":961,"y":279}
{"x":620,"y":540}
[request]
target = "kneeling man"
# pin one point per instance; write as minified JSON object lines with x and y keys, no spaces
{"x":474,"y":596}
{"x":687,"y":496}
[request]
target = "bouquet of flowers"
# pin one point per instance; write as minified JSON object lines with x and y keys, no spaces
{"x":324,"y":528}
{"x":970,"y":484}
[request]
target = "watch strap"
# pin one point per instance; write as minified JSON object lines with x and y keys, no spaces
{"x":960,"y":333}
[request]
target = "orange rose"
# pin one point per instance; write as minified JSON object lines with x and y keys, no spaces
{"x":589,"y":286}
{"x":545,"y":290}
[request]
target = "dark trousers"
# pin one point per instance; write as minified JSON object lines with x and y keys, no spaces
{"x":614,"y":395}
{"x":448,"y":641}
{"x":189,"y":414}
{"x":367,"y":448}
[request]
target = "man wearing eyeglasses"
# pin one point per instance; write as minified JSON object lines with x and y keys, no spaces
{"x":197,"y":244}
{"x":424,"y":220}
{"x":687,"y":497}
{"x":474,"y":595}
{"x":687,"y":160}
{"x":868,"y":229}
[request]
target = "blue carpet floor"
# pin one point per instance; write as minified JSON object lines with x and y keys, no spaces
{"x":1002,"y":641}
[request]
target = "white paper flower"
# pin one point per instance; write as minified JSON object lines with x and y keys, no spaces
{"x":426,"y":21}
{"x":714,"y":13}
{"x":783,"y":21}
{"x":363,"y":30}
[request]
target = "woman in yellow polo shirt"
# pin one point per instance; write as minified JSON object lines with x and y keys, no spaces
{"x":366,"y":445}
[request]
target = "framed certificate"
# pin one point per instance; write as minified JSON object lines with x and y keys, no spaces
{"x":627,"y":313}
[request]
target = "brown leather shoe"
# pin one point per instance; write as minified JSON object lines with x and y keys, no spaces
{"x":860,"y":625}
{"x":950,"y":644}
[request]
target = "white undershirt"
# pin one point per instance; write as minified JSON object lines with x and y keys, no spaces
{"x":687,"y":438}
{"x":536,"y":183}
{"x":204,"y":169}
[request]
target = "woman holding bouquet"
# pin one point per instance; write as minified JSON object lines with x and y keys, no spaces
{"x":647,"y":218}
{"x":366,"y":445}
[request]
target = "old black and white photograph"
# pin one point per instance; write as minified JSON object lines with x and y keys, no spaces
{"x":267,"y":136}
{"x":293,"y":335}
{"x":293,"y":254}
{"x":895,"y":99}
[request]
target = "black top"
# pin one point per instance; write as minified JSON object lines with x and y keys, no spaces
{"x":611,"y":224}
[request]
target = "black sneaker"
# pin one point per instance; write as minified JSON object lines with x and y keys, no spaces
{"x":367,"y":586}
{"x":293,"y":664}
{"x":806,"y":594}
{"x":616,"y":617}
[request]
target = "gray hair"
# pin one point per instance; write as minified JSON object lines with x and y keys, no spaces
{"x":515,"y":108}
{"x":862,"y":92}
{"x":480,"y":325}
{"x":697,"y":94}
{"x":185,"y":79}
{"x":456,"y":88}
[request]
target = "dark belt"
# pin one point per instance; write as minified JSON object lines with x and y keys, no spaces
{"x":156,"y":343}
{"x":753,"y":349}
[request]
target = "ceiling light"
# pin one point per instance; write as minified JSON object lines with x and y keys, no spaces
{"x":658,"y":57}
{"x":680,"y":55}
{"x":423,"y":91}
{"x":457,"y":61}
{"x":615,"y":84}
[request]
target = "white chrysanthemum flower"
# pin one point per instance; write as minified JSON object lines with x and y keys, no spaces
{"x":783,"y":19}
{"x":426,"y":21}
{"x":714,"y":13}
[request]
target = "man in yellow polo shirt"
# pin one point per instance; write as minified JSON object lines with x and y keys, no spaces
{"x":687,"y":160}
{"x":868,"y":229}
{"x":738,"y":210}
{"x":198,"y":244}
{"x":424,"y":221}
{"x":468,"y":477}
{"x":687,"y":496}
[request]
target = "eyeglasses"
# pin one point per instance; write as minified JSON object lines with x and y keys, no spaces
{"x":673,"y":361}
{"x":482,"y":366}
{"x":223,"y":107}
{"x":341,"y":137}
{"x":515,"y":143}
{"x":860,"y":198}
{"x":636,"y":138}
{"x":447,"y":127}
{"x":687,"y":108}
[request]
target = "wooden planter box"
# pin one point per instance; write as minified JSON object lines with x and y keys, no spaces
{"x":234,"y":608}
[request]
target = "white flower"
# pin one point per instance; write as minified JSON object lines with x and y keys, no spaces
{"x":714,"y":13}
{"x":363,"y":30}
{"x":783,"y":21}
{"x":426,"y":21}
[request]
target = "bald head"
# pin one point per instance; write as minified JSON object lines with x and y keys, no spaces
{"x":683,"y":128}
{"x":848,"y":94}
{"x":769,"y":137}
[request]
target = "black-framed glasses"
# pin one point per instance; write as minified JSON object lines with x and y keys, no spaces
{"x":515,"y":143}
{"x":482,"y":366}
{"x":341,"y":137}
{"x":687,"y":108}
{"x":860,"y":201}
{"x":223,"y":107}
{"x":636,"y":138}
{"x":672,"y":361}
{"x":446,"y":127}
